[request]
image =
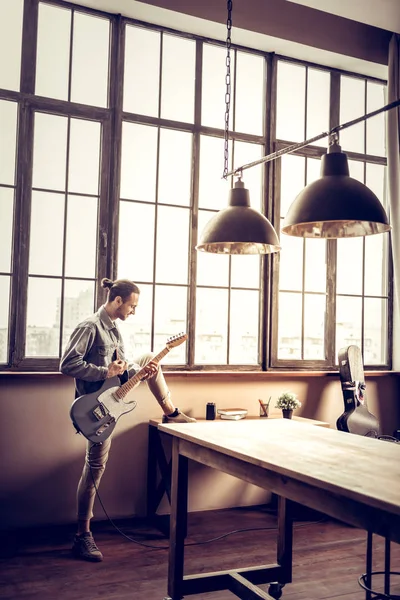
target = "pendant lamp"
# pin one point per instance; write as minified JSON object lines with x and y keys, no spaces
{"x":238,"y":229}
{"x":336,"y":205}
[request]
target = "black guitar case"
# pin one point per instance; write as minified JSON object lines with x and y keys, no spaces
{"x":356,"y":417}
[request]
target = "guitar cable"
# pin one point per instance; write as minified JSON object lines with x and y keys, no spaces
{"x":216,"y":539}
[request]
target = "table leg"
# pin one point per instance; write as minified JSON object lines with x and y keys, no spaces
{"x":178,"y":521}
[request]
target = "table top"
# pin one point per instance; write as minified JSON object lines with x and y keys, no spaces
{"x":362,"y":469}
{"x":157,"y":421}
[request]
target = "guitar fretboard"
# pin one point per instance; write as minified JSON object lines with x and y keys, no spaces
{"x":130,"y":384}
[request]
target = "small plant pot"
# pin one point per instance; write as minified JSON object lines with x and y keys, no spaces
{"x":287,"y":413}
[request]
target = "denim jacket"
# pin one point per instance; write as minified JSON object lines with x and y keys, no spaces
{"x":91,"y":348}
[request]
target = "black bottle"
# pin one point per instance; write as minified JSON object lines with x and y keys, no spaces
{"x":210,"y":411}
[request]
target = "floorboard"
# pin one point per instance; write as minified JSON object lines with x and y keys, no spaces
{"x":328,"y":558}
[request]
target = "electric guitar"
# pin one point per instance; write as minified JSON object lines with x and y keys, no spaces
{"x":95,"y":415}
{"x":356,"y":417}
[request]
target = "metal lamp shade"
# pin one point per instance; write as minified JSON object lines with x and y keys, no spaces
{"x":239,"y":229}
{"x":336,"y":205}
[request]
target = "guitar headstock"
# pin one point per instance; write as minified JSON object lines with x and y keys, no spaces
{"x":176,"y":340}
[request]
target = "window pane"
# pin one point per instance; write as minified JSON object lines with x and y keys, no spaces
{"x":315,"y":264}
{"x":252,"y":178}
{"x":84,"y":157}
{"x":4,"y":312}
{"x":292,"y":180}
{"x":356,"y":170}
{"x":43,"y":317}
{"x":178,"y":73}
{"x":11,"y":13}
{"x":290,"y":107}
{"x":375,"y":331}
{"x":53,"y":50}
{"x":136,"y":331}
{"x":136,"y":241}
{"x":376,"y":261}
{"x":138,"y":162}
{"x":376,"y":98}
{"x":172,"y":245}
{"x":318,"y":92}
{"x":81,"y":249}
{"x":291,"y":263}
{"x":78,"y":304}
{"x":214,"y":87}
{"x":8,"y":141}
{"x":349,"y":266}
{"x":169,"y":320}
{"x":348,"y":322}
{"x":141,"y":77}
{"x":314,"y":326}
{"x":313,"y":170}
{"x":175,"y":167}
{"x":6,"y":227}
{"x":89,"y":83}
{"x":375,"y":179}
{"x":213,"y":189}
{"x":245,"y":271}
{"x":289,"y":326}
{"x":212,"y":269}
{"x":211,"y":326}
{"x":352,"y":105}
{"x":49,"y":152}
{"x":250,"y":96}
{"x":47,"y":235}
{"x":244,"y":327}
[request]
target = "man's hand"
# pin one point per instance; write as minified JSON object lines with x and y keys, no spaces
{"x":149,"y":370}
{"x":117,"y":367}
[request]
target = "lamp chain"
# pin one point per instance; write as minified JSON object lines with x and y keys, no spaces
{"x":228,"y":87}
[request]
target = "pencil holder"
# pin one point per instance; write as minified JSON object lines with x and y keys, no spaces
{"x":264,"y":408}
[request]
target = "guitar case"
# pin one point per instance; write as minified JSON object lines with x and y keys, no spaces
{"x":356,"y":417}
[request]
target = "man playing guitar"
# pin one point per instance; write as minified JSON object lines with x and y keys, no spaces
{"x":93,"y":354}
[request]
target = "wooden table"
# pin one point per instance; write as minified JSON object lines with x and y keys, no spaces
{"x":159,"y":463}
{"x":352,"y":478}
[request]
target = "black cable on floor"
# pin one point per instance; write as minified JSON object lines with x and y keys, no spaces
{"x":216,"y":539}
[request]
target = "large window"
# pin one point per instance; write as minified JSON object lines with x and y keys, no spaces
{"x":329,"y":294}
{"x":112,"y":153}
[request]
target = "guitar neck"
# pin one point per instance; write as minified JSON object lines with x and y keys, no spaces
{"x":130,"y":384}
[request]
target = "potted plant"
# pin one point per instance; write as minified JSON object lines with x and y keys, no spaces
{"x":287,"y":402}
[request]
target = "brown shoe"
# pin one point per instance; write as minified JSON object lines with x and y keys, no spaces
{"x":178,"y":417}
{"x":85,"y":548}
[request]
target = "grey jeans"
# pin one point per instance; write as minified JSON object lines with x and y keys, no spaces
{"x":97,"y":454}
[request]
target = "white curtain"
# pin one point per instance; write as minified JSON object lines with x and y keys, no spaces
{"x":393,"y":158}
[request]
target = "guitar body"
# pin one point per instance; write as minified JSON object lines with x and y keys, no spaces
{"x":356,"y":417}
{"x":95,"y":415}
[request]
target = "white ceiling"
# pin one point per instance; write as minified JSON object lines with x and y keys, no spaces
{"x":348,"y":8}
{"x":380,"y":13}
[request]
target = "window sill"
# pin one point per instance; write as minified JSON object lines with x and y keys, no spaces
{"x":220,"y":374}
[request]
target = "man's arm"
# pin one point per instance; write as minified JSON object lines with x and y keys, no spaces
{"x":73,"y":361}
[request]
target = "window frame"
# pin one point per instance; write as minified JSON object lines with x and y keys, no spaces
{"x":311,"y":151}
{"x":107,"y":242}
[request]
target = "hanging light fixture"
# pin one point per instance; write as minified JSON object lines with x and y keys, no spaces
{"x":336,"y":205}
{"x":238,"y":229}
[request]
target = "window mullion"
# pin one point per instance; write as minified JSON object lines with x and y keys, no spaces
{"x":111,"y":160}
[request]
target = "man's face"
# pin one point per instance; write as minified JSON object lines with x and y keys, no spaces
{"x":128,"y":308}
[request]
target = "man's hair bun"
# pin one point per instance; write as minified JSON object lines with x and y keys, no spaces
{"x":107,"y":283}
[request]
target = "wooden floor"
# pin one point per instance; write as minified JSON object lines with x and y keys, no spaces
{"x":328,"y":559}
